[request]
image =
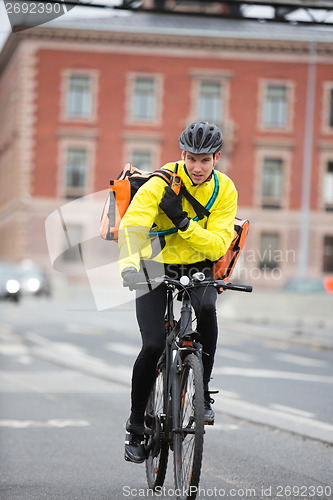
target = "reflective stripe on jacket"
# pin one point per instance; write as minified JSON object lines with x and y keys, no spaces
{"x":208,"y":238}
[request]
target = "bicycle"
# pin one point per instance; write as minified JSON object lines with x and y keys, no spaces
{"x":174,"y":417}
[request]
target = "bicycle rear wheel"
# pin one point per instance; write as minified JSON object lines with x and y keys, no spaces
{"x":158,"y":449}
{"x":188,"y":436}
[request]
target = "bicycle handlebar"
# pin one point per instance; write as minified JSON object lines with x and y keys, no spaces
{"x":187,"y":283}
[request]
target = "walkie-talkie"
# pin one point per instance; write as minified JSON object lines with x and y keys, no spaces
{"x":176,"y":181}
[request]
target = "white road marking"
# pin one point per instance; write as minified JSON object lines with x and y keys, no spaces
{"x":58,"y":423}
{"x":235,"y":355}
{"x":25,"y":360}
{"x":55,"y":382}
{"x":293,"y":411}
{"x":18,"y":350}
{"x":75,"y":357}
{"x":222,"y":427}
{"x":5,"y":330}
{"x":227,"y":394}
{"x":251,"y":372}
{"x":122,"y":348}
{"x":84,"y":329}
{"x":300,"y":360}
{"x":13,"y":349}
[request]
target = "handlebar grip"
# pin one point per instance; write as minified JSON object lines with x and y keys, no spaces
{"x":240,"y":288}
{"x":231,"y":286}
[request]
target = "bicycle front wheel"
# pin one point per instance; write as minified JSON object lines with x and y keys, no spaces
{"x":189,"y":433}
{"x":157,"y":447}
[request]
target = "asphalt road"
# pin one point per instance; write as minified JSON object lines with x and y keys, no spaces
{"x":64,"y":396}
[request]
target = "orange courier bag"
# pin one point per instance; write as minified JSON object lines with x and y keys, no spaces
{"x":121,"y":193}
{"x":223,"y":268}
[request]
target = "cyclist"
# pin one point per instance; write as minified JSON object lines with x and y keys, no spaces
{"x":192,"y":246}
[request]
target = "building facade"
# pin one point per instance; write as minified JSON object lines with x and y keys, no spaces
{"x":79,"y":100}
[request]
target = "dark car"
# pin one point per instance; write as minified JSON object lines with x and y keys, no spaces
{"x":9,"y":282}
{"x":33,"y":280}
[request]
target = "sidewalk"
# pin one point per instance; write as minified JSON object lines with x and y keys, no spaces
{"x":276,"y":315}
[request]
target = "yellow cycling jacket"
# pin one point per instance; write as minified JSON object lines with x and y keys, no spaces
{"x":144,"y":230}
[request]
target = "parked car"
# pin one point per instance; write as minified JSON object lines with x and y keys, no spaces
{"x":9,"y":282}
{"x":33,"y":280}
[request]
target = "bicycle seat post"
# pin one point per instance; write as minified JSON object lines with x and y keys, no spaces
{"x":186,"y":317}
{"x":170,"y":317}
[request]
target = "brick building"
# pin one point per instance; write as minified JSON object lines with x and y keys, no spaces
{"x":79,"y":99}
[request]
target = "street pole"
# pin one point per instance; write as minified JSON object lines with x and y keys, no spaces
{"x":307,"y":163}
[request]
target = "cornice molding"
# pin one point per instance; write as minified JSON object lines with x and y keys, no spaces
{"x":80,"y":133}
{"x":272,"y":48}
{"x":181,"y":42}
{"x":154,"y":137}
{"x":261,"y":142}
{"x":325,"y":145}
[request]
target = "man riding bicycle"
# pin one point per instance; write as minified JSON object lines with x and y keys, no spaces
{"x":185,"y":244}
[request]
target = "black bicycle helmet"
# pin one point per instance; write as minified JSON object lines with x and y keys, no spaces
{"x":201,"y":137}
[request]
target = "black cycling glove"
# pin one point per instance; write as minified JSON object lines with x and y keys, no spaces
{"x":171,"y":205}
{"x":131,"y":277}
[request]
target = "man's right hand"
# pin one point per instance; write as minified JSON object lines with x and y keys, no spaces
{"x":131,"y":277}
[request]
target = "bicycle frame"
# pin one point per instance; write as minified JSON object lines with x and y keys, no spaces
{"x":174,"y":355}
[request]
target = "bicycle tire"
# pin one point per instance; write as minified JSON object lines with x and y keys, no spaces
{"x":158,"y":449}
{"x":188,"y":440}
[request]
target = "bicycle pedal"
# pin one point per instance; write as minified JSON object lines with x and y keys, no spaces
{"x":209,"y":422}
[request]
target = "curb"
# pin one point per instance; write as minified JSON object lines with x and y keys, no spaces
{"x":305,"y":427}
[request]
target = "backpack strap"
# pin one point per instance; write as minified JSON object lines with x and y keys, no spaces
{"x":163,"y":174}
{"x":202,"y":208}
{"x":199,"y":209}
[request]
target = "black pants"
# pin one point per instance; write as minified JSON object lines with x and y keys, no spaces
{"x":150,"y":311}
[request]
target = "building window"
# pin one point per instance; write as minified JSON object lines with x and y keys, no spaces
{"x":328,"y":186}
{"x":327,"y":108}
{"x":330,"y":116}
{"x":275,"y":110}
{"x":142,"y":160}
{"x":269,"y":250}
{"x":210,"y":102}
{"x":79,"y":97}
{"x":144,"y":99}
{"x":328,"y":254}
{"x":76,"y":172}
{"x":272,"y":183}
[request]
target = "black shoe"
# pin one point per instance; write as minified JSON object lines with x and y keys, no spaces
{"x":134,"y":446}
{"x":209,"y":413}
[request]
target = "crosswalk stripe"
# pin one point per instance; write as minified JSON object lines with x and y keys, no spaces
{"x":257,"y":373}
{"x":293,"y":411}
{"x":122,"y":348}
{"x":300,"y":360}
{"x":58,"y":423}
{"x":235,"y":355}
{"x":62,"y":382}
